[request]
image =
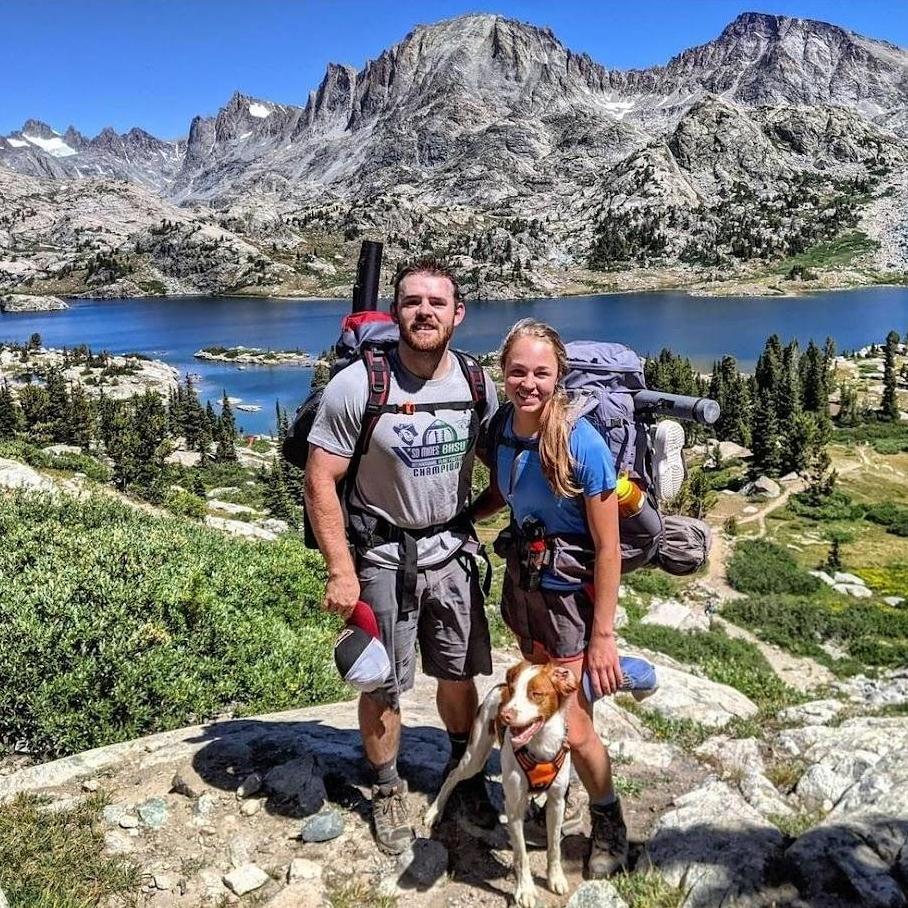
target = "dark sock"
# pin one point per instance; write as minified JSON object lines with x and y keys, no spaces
{"x":458,"y":745}
{"x":386,"y":776}
{"x":604,"y":801}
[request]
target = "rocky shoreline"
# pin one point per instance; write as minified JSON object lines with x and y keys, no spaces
{"x":21,"y":302}
{"x":255,"y":356}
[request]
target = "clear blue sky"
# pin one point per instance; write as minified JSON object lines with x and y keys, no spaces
{"x":157,"y":63}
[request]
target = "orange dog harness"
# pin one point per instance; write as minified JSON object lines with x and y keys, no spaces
{"x":541,"y":774}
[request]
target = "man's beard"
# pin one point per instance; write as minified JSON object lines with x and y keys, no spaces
{"x":427,"y":343}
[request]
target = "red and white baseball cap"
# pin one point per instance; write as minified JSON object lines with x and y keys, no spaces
{"x":359,"y":654}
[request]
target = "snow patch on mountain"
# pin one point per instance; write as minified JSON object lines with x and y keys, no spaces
{"x":259,"y":110}
{"x":56,"y":146}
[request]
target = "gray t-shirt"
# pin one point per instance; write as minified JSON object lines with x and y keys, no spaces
{"x":416,"y":472}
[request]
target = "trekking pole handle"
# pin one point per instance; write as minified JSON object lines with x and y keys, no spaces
{"x":703,"y":410}
{"x":368,"y":274}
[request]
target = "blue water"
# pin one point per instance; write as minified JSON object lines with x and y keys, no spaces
{"x":701,"y":328}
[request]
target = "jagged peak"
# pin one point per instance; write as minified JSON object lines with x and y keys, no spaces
{"x":39,"y":129}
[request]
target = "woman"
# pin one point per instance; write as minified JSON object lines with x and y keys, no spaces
{"x":558,"y":478}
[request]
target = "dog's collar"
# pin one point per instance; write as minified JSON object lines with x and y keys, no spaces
{"x":541,"y":773}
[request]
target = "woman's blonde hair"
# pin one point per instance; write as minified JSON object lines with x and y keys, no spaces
{"x":555,"y":423}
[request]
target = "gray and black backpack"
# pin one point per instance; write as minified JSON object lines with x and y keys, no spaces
{"x":602,"y":380}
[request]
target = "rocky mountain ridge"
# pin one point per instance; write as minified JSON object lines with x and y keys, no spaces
{"x":535,"y":168}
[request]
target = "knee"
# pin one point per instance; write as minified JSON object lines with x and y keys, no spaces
{"x":581,"y":733}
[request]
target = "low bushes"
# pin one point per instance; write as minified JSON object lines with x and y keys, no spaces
{"x":871,"y":635}
{"x":759,"y":566}
{"x":724,"y":660}
{"x":117,"y":624}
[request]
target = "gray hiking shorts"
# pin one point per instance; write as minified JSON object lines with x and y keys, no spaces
{"x":449,"y":623}
{"x":558,"y":621}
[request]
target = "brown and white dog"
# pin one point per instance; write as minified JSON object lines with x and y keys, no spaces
{"x":527,"y":713}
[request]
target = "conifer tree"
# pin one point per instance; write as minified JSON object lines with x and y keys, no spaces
{"x":226,"y":433}
{"x":33,"y":401}
{"x":276,"y":496}
{"x":814,"y":383}
{"x":149,"y":428}
{"x":766,"y":442}
{"x":293,"y":475}
{"x":57,"y":405}
{"x":889,"y":410}
{"x":10,"y":414}
{"x":81,"y":418}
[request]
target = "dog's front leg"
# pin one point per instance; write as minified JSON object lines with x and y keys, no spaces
{"x":554,"y":817}
{"x":516,"y":798}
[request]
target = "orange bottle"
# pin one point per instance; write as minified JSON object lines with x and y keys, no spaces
{"x":631,"y":497}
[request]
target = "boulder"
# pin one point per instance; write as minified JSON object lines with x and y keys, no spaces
{"x":682,"y":695}
{"x":228,"y":507}
{"x":15,"y":475}
{"x":3,"y":900}
{"x":763,"y":796}
{"x":322,"y":827}
{"x":183,"y":458}
{"x":822,"y":575}
{"x":297,"y":780}
{"x":732,"y":755}
{"x":840,"y":757}
{"x":715,"y":847}
{"x":864,"y":838}
{"x":855,"y":590}
{"x":596,"y":894}
{"x":674,"y":614}
{"x":645,"y":753}
{"x":55,"y":450}
{"x":817,"y":712}
{"x":843,"y":577}
{"x":612,"y":723}
{"x":239,"y":528}
{"x":894,"y":601}
{"x":889,"y":689}
{"x":303,"y":869}
{"x":298,"y":895}
{"x":763,"y":487}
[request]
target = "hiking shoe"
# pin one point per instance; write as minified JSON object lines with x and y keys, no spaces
{"x":575,"y":804}
{"x":608,"y":841}
{"x":470,"y":800}
{"x":668,"y":464}
{"x":391,"y":818}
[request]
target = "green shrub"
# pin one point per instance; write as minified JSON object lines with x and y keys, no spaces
{"x":872,"y":635}
{"x":724,"y":660}
{"x":835,"y":506}
{"x":129,"y":624}
{"x":185,"y":504}
{"x":651,"y":582}
{"x":761,"y":566}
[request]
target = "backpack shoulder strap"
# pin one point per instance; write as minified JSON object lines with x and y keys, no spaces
{"x":378,"y":377}
{"x":476,"y":379}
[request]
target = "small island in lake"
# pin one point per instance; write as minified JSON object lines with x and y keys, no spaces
{"x":256,"y":356}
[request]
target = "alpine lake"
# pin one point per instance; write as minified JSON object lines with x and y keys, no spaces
{"x":701,"y":328}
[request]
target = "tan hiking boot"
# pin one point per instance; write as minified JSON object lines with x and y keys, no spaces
{"x":391,"y":818}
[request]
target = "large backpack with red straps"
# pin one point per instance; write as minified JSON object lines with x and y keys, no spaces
{"x":369,"y":336}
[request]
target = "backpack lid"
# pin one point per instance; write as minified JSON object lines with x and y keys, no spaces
{"x":368,"y":327}
{"x":590,"y":361}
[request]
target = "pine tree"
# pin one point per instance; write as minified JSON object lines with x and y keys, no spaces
{"x":889,"y":410}
{"x":198,"y":483}
{"x":81,"y":418}
{"x":226,"y":433}
{"x":814,"y":381}
{"x":33,"y":401}
{"x":149,"y":427}
{"x":766,"y":441}
{"x":57,"y":405}
{"x":276,"y":496}
{"x":849,"y":414}
{"x":293,"y":475}
{"x":10,"y":414}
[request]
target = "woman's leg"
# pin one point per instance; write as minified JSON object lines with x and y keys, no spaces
{"x":588,"y":754}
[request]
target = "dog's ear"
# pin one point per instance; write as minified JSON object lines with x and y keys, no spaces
{"x":510,"y":678}
{"x":563,"y":680}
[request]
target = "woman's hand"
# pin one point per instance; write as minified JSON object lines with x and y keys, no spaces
{"x":603,"y":666}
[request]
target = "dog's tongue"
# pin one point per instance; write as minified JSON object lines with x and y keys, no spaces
{"x":520,"y":736}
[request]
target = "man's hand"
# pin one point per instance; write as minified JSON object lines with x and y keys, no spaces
{"x":341,"y":593}
{"x":603,"y":666}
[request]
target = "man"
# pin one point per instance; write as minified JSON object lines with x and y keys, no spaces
{"x":413,"y":544}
